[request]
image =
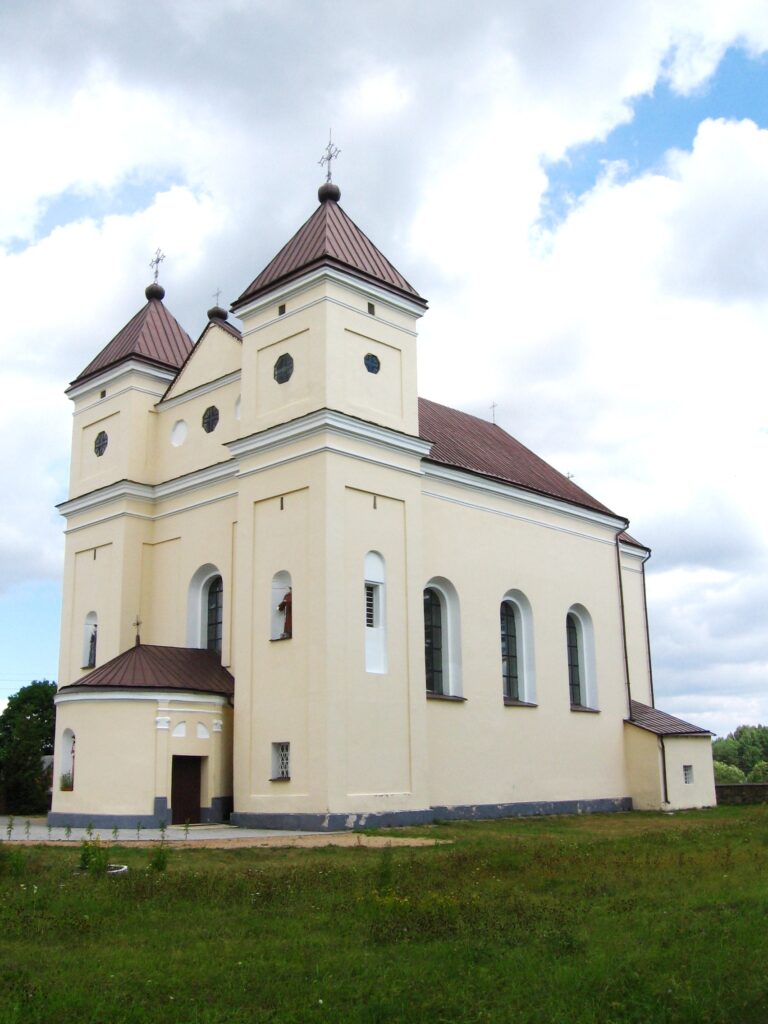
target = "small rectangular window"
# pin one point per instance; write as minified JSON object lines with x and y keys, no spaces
{"x":688,"y":774}
{"x":371,"y":309}
{"x":281,"y":761}
{"x":281,"y":309}
{"x":103,"y":394}
{"x":371,"y":602}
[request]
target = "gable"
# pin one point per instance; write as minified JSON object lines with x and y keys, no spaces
{"x":217,"y":353}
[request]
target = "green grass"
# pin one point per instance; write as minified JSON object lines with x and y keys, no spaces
{"x":620,"y":918}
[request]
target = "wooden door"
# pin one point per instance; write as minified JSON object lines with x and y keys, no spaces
{"x":185,"y":789}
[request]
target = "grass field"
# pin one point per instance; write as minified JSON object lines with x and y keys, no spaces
{"x":617,"y":918}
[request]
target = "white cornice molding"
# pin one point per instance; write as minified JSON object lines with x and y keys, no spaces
{"x":160,"y":696}
{"x":114,"y":373}
{"x":148,"y":492}
{"x":293,"y":288}
{"x":336,"y":302}
{"x":643,"y":554}
{"x":474,"y":482}
{"x":338,"y":423}
{"x":201,"y":389}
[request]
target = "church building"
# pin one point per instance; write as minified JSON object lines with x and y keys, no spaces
{"x":296,"y":595}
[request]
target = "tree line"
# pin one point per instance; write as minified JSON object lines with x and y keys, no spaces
{"x":742,"y":756}
{"x":26,"y":735}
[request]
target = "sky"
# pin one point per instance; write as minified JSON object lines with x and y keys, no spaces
{"x":578,"y":187}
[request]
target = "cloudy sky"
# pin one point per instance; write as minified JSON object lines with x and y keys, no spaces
{"x":577,"y":186}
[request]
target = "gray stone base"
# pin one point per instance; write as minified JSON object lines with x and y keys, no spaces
{"x":219,"y":811}
{"x":341,"y":822}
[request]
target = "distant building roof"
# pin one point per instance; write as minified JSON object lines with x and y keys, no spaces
{"x":153,"y":335}
{"x":467,"y":442}
{"x":329,"y":238}
{"x":151,"y":667}
{"x":662,"y":724}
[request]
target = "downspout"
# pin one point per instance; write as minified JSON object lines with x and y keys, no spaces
{"x":664,"y":770}
{"x":624,"y":626}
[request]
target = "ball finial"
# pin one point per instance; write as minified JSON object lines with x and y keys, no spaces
{"x":329,"y":191}
{"x":155,"y":291}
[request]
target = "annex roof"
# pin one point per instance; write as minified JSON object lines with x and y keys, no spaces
{"x":329,"y":238}
{"x":660,"y":723}
{"x":153,"y":335}
{"x":152,"y":667}
{"x":466,"y":442}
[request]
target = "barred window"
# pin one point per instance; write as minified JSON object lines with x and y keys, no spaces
{"x":433,"y":640}
{"x":688,"y":774}
{"x":574,"y":659}
{"x":281,"y":761}
{"x":215,"y":614}
{"x":509,"y":653}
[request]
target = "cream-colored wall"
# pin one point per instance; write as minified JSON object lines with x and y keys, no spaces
{"x":695,"y":751}
{"x":123,"y":760}
{"x":215,"y":355}
{"x":638,"y":656}
{"x":481,"y":751}
{"x":644,"y":768}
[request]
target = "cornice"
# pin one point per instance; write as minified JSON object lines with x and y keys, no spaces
{"x":338,"y":423}
{"x":201,"y":389}
{"x":113,"y":373}
{"x":642,"y":554}
{"x":293,"y":288}
{"x":117,"y":693}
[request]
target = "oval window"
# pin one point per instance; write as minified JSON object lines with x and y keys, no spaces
{"x":283,"y":368}
{"x":372,"y":363}
{"x":101,"y":442}
{"x":210,"y":419}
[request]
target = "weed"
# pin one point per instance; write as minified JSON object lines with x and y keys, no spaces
{"x":94,"y":856}
{"x":115,"y":833}
{"x":27,"y":828}
{"x":68,"y":831}
{"x":158,"y":860}
{"x":138,"y":830}
{"x":9,"y":826}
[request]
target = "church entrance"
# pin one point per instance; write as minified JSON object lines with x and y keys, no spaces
{"x":185,"y":789}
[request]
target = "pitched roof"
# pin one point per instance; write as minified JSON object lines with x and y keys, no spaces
{"x":153,"y":335}
{"x":465,"y":442}
{"x":151,"y":667}
{"x":329,"y":238}
{"x":662,"y":724}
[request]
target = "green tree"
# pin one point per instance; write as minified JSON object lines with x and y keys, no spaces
{"x":759,"y":772}
{"x":725,"y":773}
{"x":726,"y":750}
{"x":744,"y":747}
{"x":26,"y":735}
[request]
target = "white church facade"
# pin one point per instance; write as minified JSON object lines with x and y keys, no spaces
{"x":296,"y":595}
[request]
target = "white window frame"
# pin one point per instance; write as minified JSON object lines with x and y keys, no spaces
{"x":376,"y":631}
{"x":526,"y":666}
{"x":281,"y":761}
{"x":197,"y":606}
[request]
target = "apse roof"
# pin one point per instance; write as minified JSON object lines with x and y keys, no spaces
{"x":152,"y":335}
{"x":329,"y":238}
{"x":151,"y":667}
{"x":661,"y":723}
{"x":466,"y":442}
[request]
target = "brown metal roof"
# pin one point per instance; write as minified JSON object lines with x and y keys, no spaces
{"x":661,"y":723}
{"x":151,"y":667}
{"x":153,"y":335}
{"x":329,"y":238}
{"x":466,"y":442}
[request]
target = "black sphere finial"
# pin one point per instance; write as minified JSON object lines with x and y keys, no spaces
{"x":329,"y":191}
{"x":217,"y":313}
{"x":155,"y":291}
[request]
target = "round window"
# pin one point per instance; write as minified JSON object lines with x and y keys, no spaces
{"x":101,"y":442}
{"x":179,"y":433}
{"x":372,"y":363}
{"x":283,"y":368}
{"x":210,"y":419}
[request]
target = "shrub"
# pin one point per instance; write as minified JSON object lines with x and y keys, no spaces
{"x":158,"y":860}
{"x":94,"y":856}
{"x":759,"y":773}
{"x":725,"y":773}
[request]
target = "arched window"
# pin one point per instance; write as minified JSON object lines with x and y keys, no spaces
{"x":442,"y":638}
{"x":281,"y":606}
{"x":517,"y":666}
{"x":375,"y":614}
{"x":205,"y":609}
{"x":67,"y":766}
{"x":580,"y":647}
{"x":90,"y":629}
{"x":215,"y":614}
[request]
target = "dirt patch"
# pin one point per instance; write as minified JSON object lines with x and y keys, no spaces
{"x":309,"y":842}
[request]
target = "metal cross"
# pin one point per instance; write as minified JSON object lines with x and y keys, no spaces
{"x":216,"y":295}
{"x":155,"y":262}
{"x":137,"y":620}
{"x":494,"y":407}
{"x":331,"y":153}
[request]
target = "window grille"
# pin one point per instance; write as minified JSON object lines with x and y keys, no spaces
{"x":281,"y":760}
{"x":433,"y":641}
{"x":574,"y":664}
{"x":370,"y":605}
{"x":100,"y":444}
{"x":283,"y":368}
{"x":215,"y":614}
{"x":210,"y":419}
{"x":688,"y":774}
{"x":509,"y":666}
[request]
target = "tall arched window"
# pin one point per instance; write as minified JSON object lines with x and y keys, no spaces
{"x":517,"y":666}
{"x":90,"y":629}
{"x":375,"y":614}
{"x":215,"y":614}
{"x":580,"y":647}
{"x":442,"y":638}
{"x":281,"y":607}
{"x":67,"y":765}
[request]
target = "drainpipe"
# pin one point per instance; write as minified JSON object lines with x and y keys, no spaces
{"x":664,"y":769}
{"x":648,"y":635}
{"x":624,"y":625}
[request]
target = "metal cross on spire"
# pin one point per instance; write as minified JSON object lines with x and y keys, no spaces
{"x":493,"y":407}
{"x":331,"y":153}
{"x":155,"y":262}
{"x":137,"y":623}
{"x":217,"y":295}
